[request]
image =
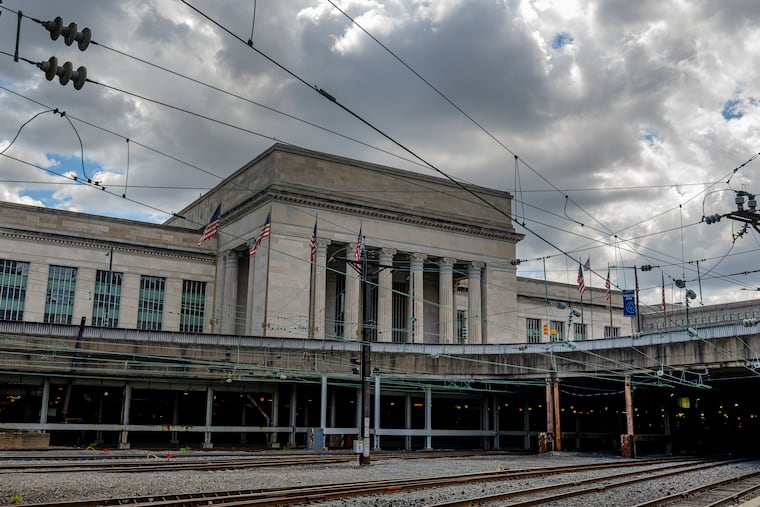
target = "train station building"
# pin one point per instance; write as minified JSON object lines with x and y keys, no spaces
{"x":240,"y":320}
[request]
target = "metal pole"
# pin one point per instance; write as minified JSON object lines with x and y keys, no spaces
{"x":366,"y":369}
{"x":638,"y":313}
{"x":18,"y":35}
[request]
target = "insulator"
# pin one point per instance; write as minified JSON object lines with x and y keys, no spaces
{"x":69,"y":33}
{"x":50,"y":67}
{"x":79,"y":76}
{"x":54,"y":27}
{"x":64,"y":75}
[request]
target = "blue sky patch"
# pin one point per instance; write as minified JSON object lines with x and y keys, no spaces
{"x":74,"y":164}
{"x":733,"y":110}
{"x":562,"y":39}
{"x":651,"y":137}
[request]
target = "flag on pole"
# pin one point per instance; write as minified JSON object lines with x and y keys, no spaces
{"x":265,"y":230}
{"x":212,"y":229}
{"x":607,"y":286}
{"x":581,"y":283}
{"x":663,"y":292}
{"x":587,"y":266}
{"x":358,"y":249}
{"x":313,"y":242}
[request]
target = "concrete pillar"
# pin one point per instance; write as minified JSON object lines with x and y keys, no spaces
{"x":385,"y":296}
{"x":319,"y":289}
{"x":175,"y":419}
{"x":627,"y":441}
{"x":124,"y":434}
{"x":428,"y":418}
{"x":417,"y":302}
{"x":474,"y":306}
{"x":218,"y":297}
{"x":293,"y":406}
{"x":496,"y":406}
{"x":209,"y":415}
{"x":376,"y":443}
{"x":358,"y":417}
{"x":274,"y":417}
{"x":485,"y":422}
{"x":446,"y":314}
{"x":526,"y":425}
{"x":323,"y":405}
{"x":45,"y":402}
{"x":557,"y":414}
{"x":229,"y":305}
{"x":408,"y":421}
{"x":351,"y":301}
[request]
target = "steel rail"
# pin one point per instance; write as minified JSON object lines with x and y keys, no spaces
{"x":646,"y":475}
{"x":290,"y":495}
{"x":728,"y":496}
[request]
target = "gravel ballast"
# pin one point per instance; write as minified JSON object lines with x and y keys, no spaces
{"x":62,"y":485}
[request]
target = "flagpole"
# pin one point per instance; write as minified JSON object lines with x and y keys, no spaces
{"x":264,"y":324}
{"x":609,"y":295}
{"x":312,"y":276}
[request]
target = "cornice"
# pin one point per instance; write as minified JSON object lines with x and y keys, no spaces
{"x":285,"y":196}
{"x":55,"y":239}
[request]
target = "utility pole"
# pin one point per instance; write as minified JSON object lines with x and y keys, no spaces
{"x":366,"y":367}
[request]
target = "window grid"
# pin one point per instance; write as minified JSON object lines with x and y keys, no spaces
{"x":579,"y":331}
{"x":107,"y":299}
{"x":557,"y":330}
{"x":614,"y":332}
{"x":533,"y":328}
{"x":193,"y":307}
{"x":150,"y":307}
{"x":59,"y":300}
{"x":13,"y":278}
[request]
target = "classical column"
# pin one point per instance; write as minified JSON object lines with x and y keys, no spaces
{"x":446,"y":300}
{"x":417,"y":302}
{"x":229,"y":305}
{"x":319,"y":288}
{"x":351,"y":300}
{"x":385,"y":296}
{"x":474,"y":306}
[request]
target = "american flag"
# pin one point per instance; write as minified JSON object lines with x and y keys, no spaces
{"x":358,"y":249}
{"x":212,"y":229}
{"x":607,"y":286}
{"x":265,"y":230}
{"x":581,"y":283}
{"x":313,"y":242}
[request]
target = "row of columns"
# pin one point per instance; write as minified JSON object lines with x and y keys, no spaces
{"x":227,"y":286}
{"x":416,"y":310}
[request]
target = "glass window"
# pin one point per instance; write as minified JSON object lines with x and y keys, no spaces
{"x":533,"y":329}
{"x":59,"y":300}
{"x":557,"y":330}
{"x":579,"y":331}
{"x":13,"y":278}
{"x":614,"y":332}
{"x":107,"y":299}
{"x":150,"y":307}
{"x":193,"y":306}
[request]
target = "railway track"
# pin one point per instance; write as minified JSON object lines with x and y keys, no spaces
{"x":719,"y":493}
{"x":305,"y":494}
{"x":160,"y":463}
{"x":544,"y":495}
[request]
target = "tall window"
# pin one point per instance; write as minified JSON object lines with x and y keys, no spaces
{"x":533,"y":327}
{"x":400,"y":309}
{"x":613,"y":332}
{"x":193,"y":306}
{"x":105,"y":303}
{"x":557,"y":330}
{"x":13,"y":277}
{"x":150,"y":307}
{"x":461,"y":326}
{"x":580,"y":331}
{"x":59,"y":300}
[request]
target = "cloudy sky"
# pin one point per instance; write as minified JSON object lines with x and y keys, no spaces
{"x":630,"y":120}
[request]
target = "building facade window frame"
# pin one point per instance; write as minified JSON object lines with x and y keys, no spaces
{"x":556,"y":330}
{"x":614,"y":331}
{"x":193,"y":307}
{"x":533,"y":330}
{"x":13,"y":280}
{"x":106,"y":299}
{"x":150,"y":306}
{"x":61,"y":291}
{"x":579,"y":331}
